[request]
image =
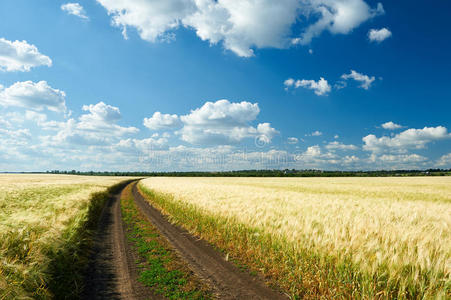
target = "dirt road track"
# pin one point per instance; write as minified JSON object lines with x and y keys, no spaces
{"x":227,"y":281}
{"x":112,"y":272}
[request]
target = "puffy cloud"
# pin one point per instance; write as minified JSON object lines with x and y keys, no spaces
{"x":321,"y":87}
{"x":444,"y":161}
{"x":152,"y":19}
{"x":35,"y":96}
{"x":35,"y":116}
{"x":391,"y":126}
{"x":161,"y":121}
{"x":292,"y":140}
{"x":337,"y":17}
{"x":75,"y":9}
{"x":379,"y":35}
{"x":365,"y":80}
{"x":240,"y":25}
{"x":313,"y":151}
{"x":340,"y":146}
{"x":98,"y":127}
{"x":244,"y":24}
{"x":223,"y":122}
{"x":101,"y":112}
{"x":408,"y":139}
{"x":20,"y":56}
{"x":402,"y":158}
{"x":315,"y":133}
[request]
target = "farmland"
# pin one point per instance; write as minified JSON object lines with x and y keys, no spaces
{"x":323,"y":237}
{"x":42,"y":224}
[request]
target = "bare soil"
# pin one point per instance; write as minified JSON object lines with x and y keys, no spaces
{"x":113,"y":267}
{"x":226,"y":280}
{"x":112,"y":272}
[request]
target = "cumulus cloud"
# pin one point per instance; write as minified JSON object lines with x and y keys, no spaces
{"x":365,"y":80}
{"x":161,"y":121}
{"x":408,"y":139}
{"x":34,"y":96}
{"x":391,"y":126}
{"x":97,"y":127}
{"x":340,"y":146}
{"x":313,"y":151}
{"x":101,"y":112}
{"x":20,"y":56}
{"x":337,"y":17}
{"x":402,"y":158}
{"x":315,"y":133}
{"x":75,"y":9}
{"x":240,"y":25}
{"x":292,"y":140}
{"x":379,"y":35}
{"x":321,"y":87}
{"x":444,"y":161}
{"x":224,"y":122}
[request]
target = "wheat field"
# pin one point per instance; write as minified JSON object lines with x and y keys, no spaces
{"x":39,"y":216}
{"x":324,"y":237}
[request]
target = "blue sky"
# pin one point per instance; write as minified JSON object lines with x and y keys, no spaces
{"x":220,"y":85}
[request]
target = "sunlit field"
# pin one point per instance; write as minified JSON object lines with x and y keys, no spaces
{"x":41,"y":216}
{"x":324,"y":237}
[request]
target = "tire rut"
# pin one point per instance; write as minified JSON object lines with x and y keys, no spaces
{"x":113,"y":270}
{"x":225,"y":279}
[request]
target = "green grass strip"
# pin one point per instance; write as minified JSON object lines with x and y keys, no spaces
{"x":162,"y":271}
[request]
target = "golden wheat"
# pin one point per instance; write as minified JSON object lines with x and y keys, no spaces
{"x":395,"y":230}
{"x":35,"y":211}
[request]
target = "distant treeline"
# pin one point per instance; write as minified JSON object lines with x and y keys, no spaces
{"x":270,"y":173}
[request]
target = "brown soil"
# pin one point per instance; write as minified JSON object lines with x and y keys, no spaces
{"x":113,"y":274}
{"x":226,"y":280}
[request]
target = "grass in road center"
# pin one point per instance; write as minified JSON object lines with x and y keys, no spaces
{"x":161,"y":269}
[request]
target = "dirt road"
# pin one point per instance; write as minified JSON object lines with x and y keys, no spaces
{"x":113,"y":269}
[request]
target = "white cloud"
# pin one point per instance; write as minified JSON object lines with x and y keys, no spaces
{"x":337,"y":17}
{"x":379,"y":35}
{"x":315,"y":133}
{"x":336,"y":136}
{"x":243,"y":24}
{"x":340,"y":146}
{"x":98,"y":127}
{"x":223,"y":122}
{"x":240,"y":25}
{"x":444,"y":161}
{"x":321,"y":87}
{"x":402,"y":158}
{"x":101,"y":112}
{"x":152,"y":19}
{"x":161,"y":121}
{"x":35,"y":96}
{"x":20,"y":56}
{"x":39,"y":118}
{"x":292,"y":140}
{"x":391,"y":126}
{"x":313,"y":151}
{"x":408,"y":139}
{"x":365,"y":80}
{"x":75,"y":9}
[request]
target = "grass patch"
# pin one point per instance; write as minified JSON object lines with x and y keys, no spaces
{"x":161,"y":269}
